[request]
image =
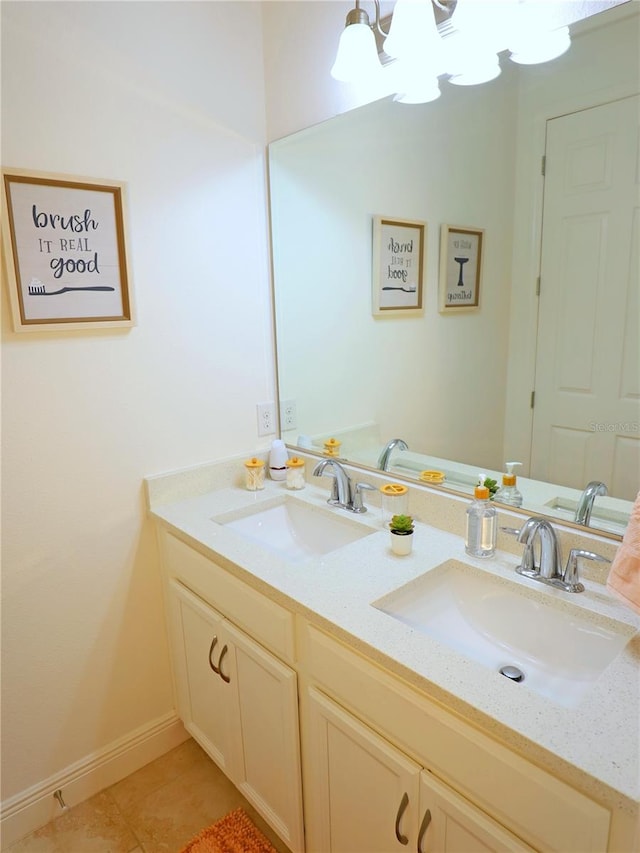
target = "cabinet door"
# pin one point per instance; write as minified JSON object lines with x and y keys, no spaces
{"x":205,"y":700}
{"x":363,"y":795}
{"x":451,"y":824}
{"x":267,"y":733}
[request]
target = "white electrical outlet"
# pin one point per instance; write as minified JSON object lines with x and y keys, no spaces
{"x":266,"y":418}
{"x":288,"y":415}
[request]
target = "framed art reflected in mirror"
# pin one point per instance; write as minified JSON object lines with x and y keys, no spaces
{"x":460,"y":268}
{"x":398,"y":265}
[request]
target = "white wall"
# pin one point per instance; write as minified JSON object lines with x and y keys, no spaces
{"x":169,"y":98}
{"x":300,"y":45}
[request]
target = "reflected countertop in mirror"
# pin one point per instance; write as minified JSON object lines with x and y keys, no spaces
{"x":609,"y":515}
{"x":459,"y":389}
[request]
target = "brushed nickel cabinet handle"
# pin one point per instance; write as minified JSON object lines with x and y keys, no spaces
{"x":401,"y":810}
{"x":224,"y":677}
{"x":424,"y":826}
{"x":211,"y":648}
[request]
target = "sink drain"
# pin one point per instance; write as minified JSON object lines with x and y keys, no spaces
{"x":512,"y":672}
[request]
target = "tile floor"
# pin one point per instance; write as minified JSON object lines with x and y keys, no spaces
{"x":158,"y":809}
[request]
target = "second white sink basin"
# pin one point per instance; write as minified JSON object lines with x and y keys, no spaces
{"x":559,"y":649}
{"x":295,"y":530}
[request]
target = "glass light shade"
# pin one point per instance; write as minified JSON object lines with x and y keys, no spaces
{"x":481,"y":73}
{"x":536,"y":47}
{"x":419,"y":92}
{"x":485,"y":23}
{"x":413,"y":34}
{"x":357,"y":56}
{"x":471,"y":62}
{"x":414,"y":82}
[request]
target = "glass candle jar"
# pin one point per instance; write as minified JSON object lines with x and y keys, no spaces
{"x":395,"y":501}
{"x":295,"y":473}
{"x":254,"y":474}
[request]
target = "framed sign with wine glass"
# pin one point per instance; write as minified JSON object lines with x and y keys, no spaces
{"x":460,"y":268}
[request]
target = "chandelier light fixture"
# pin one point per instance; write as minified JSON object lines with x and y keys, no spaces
{"x":458,"y":40}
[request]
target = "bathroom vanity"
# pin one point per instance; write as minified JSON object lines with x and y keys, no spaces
{"x":346,"y":722}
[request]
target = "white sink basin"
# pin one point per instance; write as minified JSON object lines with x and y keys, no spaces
{"x":560,"y":649}
{"x":295,"y":530}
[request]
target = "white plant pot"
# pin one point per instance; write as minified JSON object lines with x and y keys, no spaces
{"x":401,"y":543}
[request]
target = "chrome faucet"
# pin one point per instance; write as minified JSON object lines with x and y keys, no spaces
{"x":539,"y":529}
{"x":585,"y":504}
{"x":549,"y":569}
{"x":344,"y":493}
{"x":385,"y":456}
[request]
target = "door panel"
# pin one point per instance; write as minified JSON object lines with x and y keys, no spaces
{"x":268,"y":734}
{"x":359,"y":786}
{"x":454,"y":825}
{"x":207,"y":712}
{"x":586,"y":423}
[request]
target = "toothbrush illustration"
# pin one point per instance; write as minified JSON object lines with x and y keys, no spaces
{"x":410,"y":289}
{"x":39,"y":289}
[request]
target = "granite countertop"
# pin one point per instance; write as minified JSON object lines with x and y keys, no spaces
{"x":594,"y":746}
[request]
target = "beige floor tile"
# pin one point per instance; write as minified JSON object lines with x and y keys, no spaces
{"x":95,"y":826}
{"x":158,"y":809}
{"x":130,"y":791}
{"x":167,"y":818}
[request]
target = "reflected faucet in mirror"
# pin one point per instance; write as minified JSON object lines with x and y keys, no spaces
{"x":385,"y":456}
{"x":585,"y":504}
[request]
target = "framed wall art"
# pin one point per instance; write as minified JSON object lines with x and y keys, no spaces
{"x":460,"y":268}
{"x":398,"y":265}
{"x":64,"y":252}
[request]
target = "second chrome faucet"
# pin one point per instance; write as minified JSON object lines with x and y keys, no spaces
{"x":537,"y":534}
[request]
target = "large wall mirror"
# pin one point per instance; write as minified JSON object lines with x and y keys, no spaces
{"x":458,"y":386}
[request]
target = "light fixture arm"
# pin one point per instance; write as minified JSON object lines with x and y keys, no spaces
{"x":357,"y":15}
{"x":378,"y":20}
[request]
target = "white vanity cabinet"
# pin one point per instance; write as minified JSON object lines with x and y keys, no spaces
{"x":289,"y":703}
{"x":367,"y":796}
{"x":237,"y":698}
{"x":369,"y":739}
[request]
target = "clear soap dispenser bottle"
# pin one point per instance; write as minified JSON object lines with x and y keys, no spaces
{"x":482,"y":523}
{"x":508,"y":493}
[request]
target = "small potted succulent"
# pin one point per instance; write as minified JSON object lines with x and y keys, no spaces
{"x":401,"y":527}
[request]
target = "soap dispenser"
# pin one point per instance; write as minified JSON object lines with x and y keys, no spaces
{"x":508,"y":493}
{"x":482,"y":523}
{"x":278,"y":460}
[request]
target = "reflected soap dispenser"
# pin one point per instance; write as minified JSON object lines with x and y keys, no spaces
{"x":482,"y":523}
{"x":508,"y":493}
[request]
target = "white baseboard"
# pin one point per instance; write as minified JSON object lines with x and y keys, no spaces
{"x":36,"y":806}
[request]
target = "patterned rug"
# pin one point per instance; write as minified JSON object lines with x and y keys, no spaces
{"x":233,"y":833}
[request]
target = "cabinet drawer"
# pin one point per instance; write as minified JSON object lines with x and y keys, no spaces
{"x":266,"y":621}
{"x":531,"y":803}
